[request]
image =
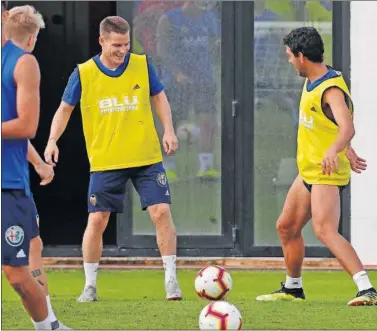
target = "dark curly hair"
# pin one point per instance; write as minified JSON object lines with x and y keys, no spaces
{"x":306,"y":40}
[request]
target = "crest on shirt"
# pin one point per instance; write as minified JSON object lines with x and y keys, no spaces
{"x":93,"y":200}
{"x":161,"y":179}
{"x":14,"y":236}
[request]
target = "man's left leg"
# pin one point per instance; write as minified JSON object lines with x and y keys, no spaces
{"x":39,"y":275}
{"x":37,"y":270}
{"x":152,"y":185}
{"x":326,"y":216}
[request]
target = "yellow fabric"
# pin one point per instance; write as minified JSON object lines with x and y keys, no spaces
{"x":117,"y":117}
{"x":317,"y":133}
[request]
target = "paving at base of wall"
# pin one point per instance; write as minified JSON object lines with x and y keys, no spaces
{"x":243,"y":263}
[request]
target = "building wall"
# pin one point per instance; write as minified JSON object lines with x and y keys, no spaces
{"x":364,"y":87}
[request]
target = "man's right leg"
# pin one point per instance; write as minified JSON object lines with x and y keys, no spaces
{"x":92,"y":251}
{"x":295,"y":215}
{"x":31,"y":294}
{"x":16,"y":221}
{"x":106,"y":194}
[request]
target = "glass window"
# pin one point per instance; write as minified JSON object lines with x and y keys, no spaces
{"x":182,"y":40}
{"x":277,"y":95}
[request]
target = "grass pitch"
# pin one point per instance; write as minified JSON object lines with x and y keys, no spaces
{"x":136,"y":300}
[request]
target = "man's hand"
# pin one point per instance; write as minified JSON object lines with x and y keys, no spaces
{"x":51,"y":152}
{"x":46,"y":172}
{"x":170,"y":142}
{"x":330,"y":161}
{"x":357,"y":163}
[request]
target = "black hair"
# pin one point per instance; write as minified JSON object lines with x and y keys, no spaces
{"x":306,"y":40}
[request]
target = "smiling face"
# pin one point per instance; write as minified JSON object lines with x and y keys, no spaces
{"x":114,"y":40}
{"x":115,"y":47}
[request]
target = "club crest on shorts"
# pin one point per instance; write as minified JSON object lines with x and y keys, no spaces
{"x":37,"y":220}
{"x":93,"y":200}
{"x":14,"y":235}
{"x":161,"y":179}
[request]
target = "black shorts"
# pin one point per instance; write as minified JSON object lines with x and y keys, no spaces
{"x":309,"y":186}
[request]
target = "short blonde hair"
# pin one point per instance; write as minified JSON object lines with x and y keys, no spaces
{"x":114,"y":24}
{"x":23,"y":21}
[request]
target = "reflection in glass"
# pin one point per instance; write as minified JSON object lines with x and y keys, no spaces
{"x":182,"y":40}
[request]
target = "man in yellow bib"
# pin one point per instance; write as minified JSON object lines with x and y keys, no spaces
{"x":324,"y":160}
{"x":114,"y":89}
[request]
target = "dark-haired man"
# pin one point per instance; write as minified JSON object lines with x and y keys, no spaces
{"x":324,"y":159}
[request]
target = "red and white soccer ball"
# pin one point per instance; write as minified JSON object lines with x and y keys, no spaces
{"x":213,"y":283}
{"x":220,"y":315}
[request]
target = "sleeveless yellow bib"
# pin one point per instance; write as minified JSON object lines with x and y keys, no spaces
{"x":316,"y":133}
{"x":117,"y":117}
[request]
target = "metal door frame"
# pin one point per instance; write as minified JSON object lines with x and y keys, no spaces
{"x":341,"y":61}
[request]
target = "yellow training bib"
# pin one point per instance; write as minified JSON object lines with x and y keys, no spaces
{"x":117,"y":117}
{"x":316,"y":133}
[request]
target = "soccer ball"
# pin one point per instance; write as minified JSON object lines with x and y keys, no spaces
{"x":213,"y":283}
{"x":220,"y":315}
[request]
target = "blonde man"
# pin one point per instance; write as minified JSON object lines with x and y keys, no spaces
{"x":21,"y":28}
{"x":19,"y":121}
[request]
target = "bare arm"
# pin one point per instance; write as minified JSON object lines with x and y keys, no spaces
{"x":60,"y":121}
{"x":27,"y":78}
{"x":33,"y":156}
{"x":163,"y":111}
{"x":334,"y":97}
{"x":44,"y":170}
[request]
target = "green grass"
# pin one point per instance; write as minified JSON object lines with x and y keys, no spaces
{"x":135,"y":300}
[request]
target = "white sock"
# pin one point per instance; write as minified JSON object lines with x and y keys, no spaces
{"x":169,"y":163}
{"x":51,"y":314}
{"x":169,"y":263}
{"x":44,"y":325}
{"x":205,"y":161}
{"x":362,"y":281}
{"x":91,"y":274}
{"x":293,"y":282}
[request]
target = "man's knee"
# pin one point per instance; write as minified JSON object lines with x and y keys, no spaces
{"x":97,"y":221}
{"x":160,"y":213}
{"x":287,"y":229}
{"x":322,"y":228}
{"x":16,"y":277}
